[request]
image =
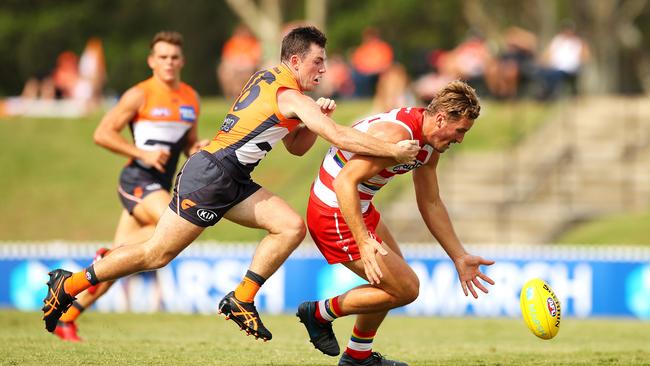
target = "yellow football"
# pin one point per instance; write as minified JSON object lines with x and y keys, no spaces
{"x":540,"y":308}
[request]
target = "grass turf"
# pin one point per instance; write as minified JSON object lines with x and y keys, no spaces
{"x":61,"y":186}
{"x":169,"y":339}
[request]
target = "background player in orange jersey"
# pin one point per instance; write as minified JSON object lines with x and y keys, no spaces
{"x":347,"y":228}
{"x":162,"y":113}
{"x":216,"y":182}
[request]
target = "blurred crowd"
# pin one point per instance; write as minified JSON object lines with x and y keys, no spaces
{"x":72,"y":88}
{"x":515,"y":70}
{"x":516,"y":66}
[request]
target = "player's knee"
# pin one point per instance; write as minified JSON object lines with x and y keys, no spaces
{"x":409,"y":290}
{"x":412,"y":290}
{"x":156,"y":259}
{"x":295,"y":230}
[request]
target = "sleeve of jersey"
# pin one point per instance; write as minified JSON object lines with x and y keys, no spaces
{"x":412,"y":117}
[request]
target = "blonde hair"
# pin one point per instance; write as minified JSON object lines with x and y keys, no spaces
{"x":172,"y":37}
{"x":458,"y":100}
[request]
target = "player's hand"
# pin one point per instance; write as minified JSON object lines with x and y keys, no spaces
{"x":198,"y":146}
{"x":469,"y":272}
{"x":156,"y":159}
{"x":367,"y":249}
{"x":406,"y":151}
{"x":327,"y":106}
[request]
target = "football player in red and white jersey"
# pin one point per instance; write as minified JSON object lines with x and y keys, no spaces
{"x":162,"y":114}
{"x":347,"y":228}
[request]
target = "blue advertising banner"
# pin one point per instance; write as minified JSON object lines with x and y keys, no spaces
{"x":590,"y":282}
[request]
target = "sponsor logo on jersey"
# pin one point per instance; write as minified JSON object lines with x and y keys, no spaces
{"x":206,"y":215}
{"x":187,"y":203}
{"x":420,"y":159}
{"x":229,"y":122}
{"x":403,"y":168}
{"x":160,"y":112}
{"x":137,"y":191}
{"x":153,"y":187}
{"x":187,"y":112}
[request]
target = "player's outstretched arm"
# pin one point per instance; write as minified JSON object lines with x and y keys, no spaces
{"x":435,"y":216}
{"x":293,"y":103}
{"x":108,"y":132}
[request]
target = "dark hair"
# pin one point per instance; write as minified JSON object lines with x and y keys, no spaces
{"x":299,"y":40}
{"x":172,"y":37}
{"x":458,"y":100}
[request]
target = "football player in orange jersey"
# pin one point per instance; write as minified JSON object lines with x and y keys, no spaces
{"x":162,"y":113}
{"x":347,"y":228}
{"x":216,"y":182}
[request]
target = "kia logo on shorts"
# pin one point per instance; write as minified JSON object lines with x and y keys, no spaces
{"x":206,"y":215}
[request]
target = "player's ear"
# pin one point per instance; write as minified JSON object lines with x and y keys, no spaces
{"x":294,"y":60}
{"x":440,"y":118}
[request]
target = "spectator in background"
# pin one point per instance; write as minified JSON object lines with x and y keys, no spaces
{"x":393,"y":89}
{"x":428,"y":85}
{"x":60,"y":94}
{"x":562,"y":61}
{"x":240,"y":57}
{"x":369,"y":60}
{"x":92,"y":74}
{"x":66,"y":74}
{"x":39,"y":87}
{"x":468,"y":62}
{"x":338,"y":82}
{"x":515,"y":67}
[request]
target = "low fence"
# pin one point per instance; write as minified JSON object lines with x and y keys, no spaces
{"x":589,"y":281}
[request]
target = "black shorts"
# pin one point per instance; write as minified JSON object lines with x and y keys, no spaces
{"x":206,"y":188}
{"x":135,"y":184}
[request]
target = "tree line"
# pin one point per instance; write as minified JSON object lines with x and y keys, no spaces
{"x":34,"y":32}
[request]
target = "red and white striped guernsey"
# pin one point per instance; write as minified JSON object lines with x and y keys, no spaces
{"x":409,"y":118}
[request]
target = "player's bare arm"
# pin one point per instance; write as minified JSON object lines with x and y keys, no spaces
{"x":301,"y":139}
{"x":357,"y":170}
{"x":295,"y":104}
{"x":108,"y":133}
{"x":435,"y":216}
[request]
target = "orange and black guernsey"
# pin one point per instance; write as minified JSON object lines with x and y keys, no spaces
{"x":163,"y":122}
{"x":254,"y":123}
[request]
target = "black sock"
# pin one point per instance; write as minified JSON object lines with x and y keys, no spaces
{"x":78,"y":306}
{"x":255,"y":277}
{"x":91,"y":276}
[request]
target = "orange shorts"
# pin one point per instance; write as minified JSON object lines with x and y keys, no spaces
{"x":332,"y":235}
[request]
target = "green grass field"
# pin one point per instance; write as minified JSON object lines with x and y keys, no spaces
{"x":166,"y":339}
{"x":58,"y":185}
{"x":626,"y":228}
